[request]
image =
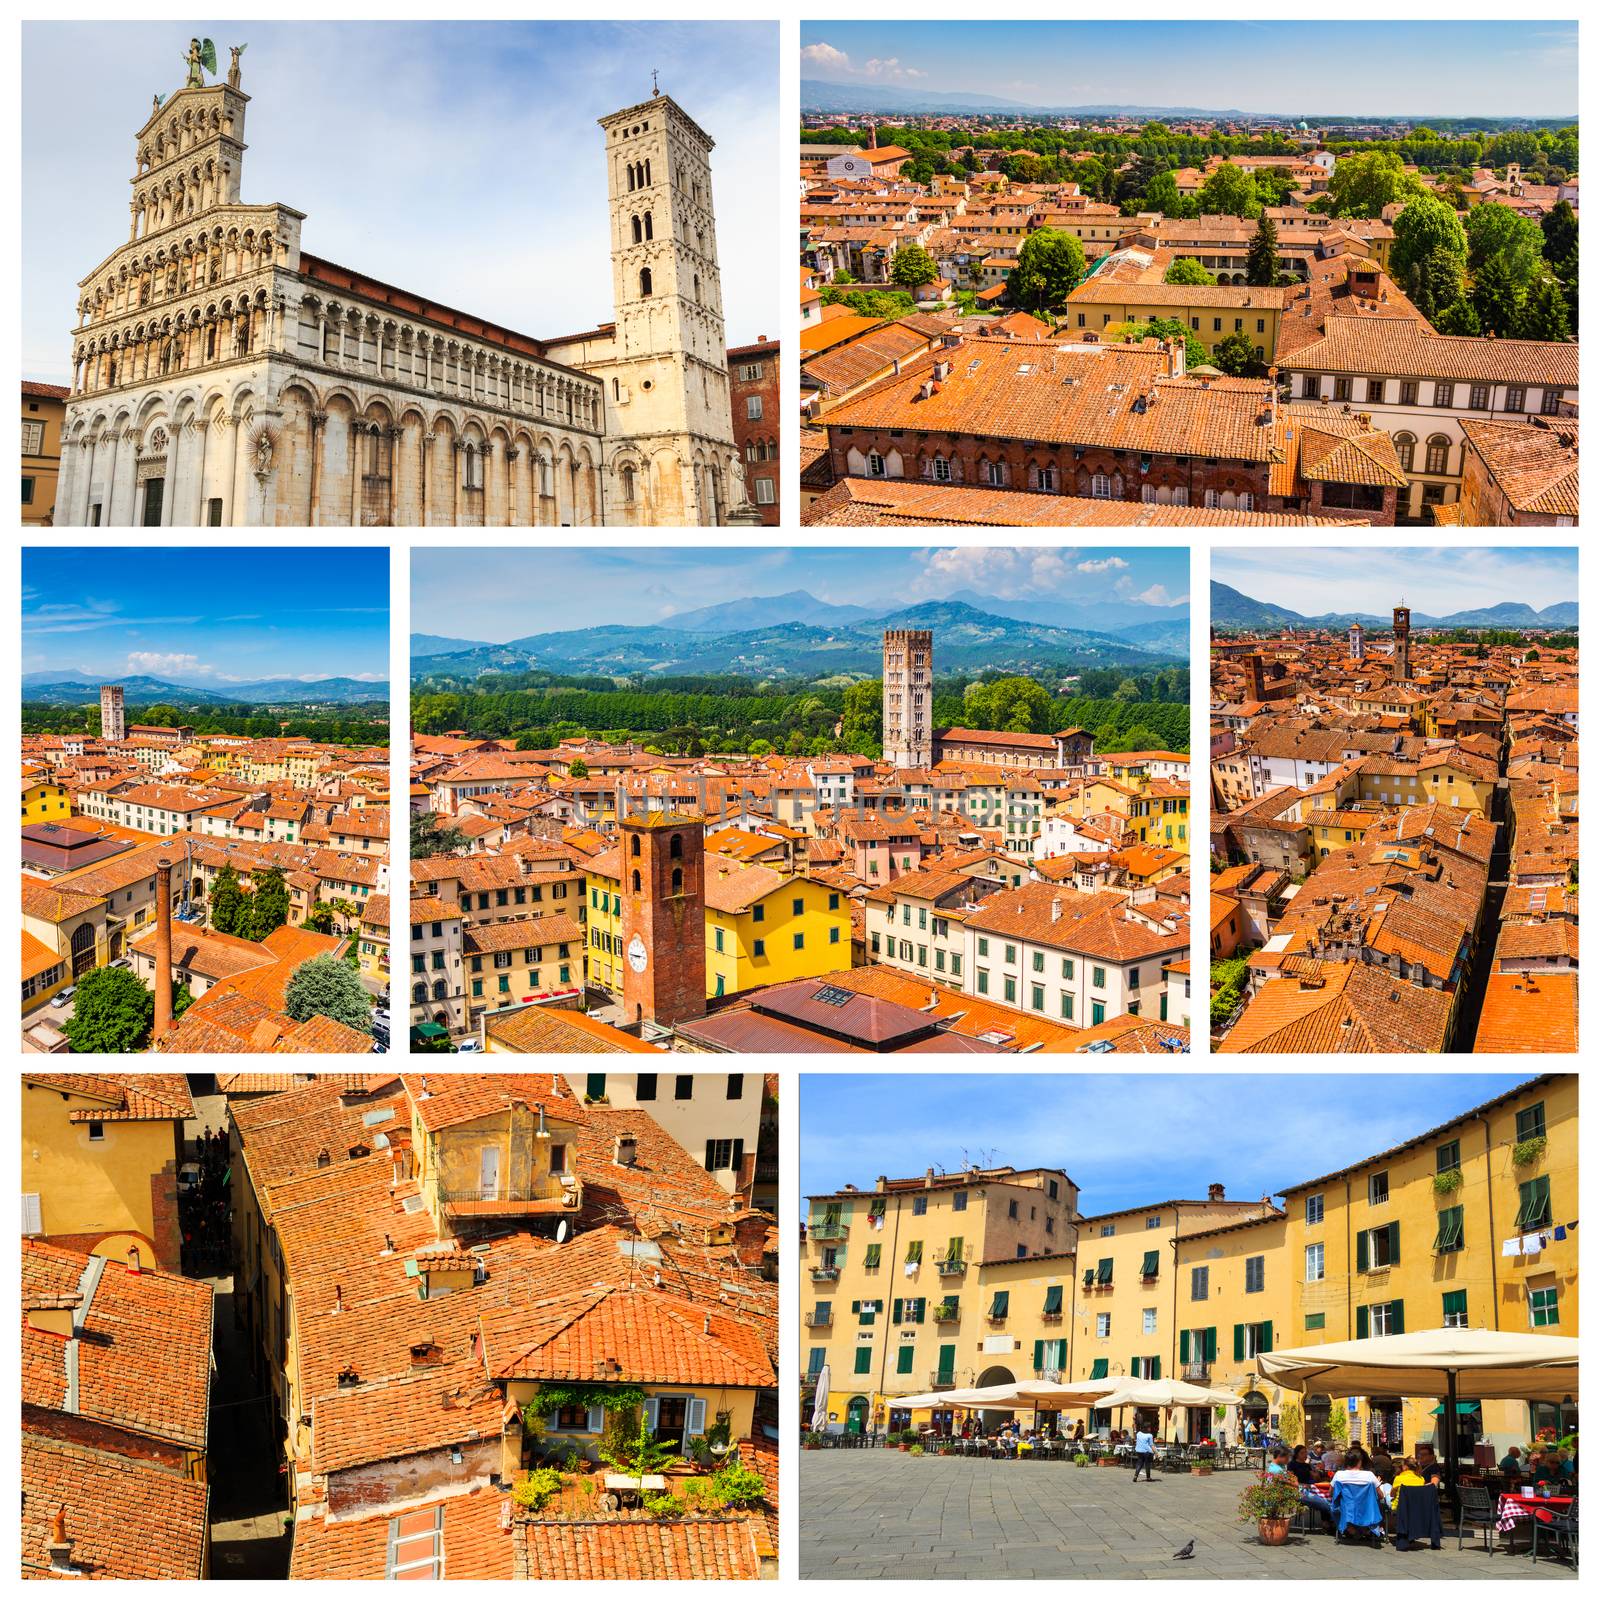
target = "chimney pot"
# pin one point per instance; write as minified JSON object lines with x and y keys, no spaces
{"x":133,"y":1261}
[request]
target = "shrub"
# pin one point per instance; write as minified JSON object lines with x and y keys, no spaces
{"x":1080,"y":1460}
{"x":1447,"y":1182}
{"x":534,"y":1491}
{"x":737,"y":1484}
{"x":916,"y":1450}
{"x":1269,"y":1496}
{"x":1526,"y":1151}
{"x":663,"y":1506}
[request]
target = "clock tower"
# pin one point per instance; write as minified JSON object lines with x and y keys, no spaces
{"x":663,"y":917}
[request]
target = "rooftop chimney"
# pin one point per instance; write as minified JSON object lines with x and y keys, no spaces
{"x":1216,"y":1192}
{"x":163,"y":1022}
{"x":60,"y":1546}
{"x":627,"y":1150}
{"x":133,"y":1261}
{"x":338,"y":1299}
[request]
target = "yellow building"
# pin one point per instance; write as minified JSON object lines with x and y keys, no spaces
{"x":763,"y":926}
{"x":899,"y":1283}
{"x":44,"y":408}
{"x":100,"y":1159}
{"x":1212,"y":312}
{"x":44,"y":801}
{"x":513,"y":963}
{"x":1332,"y":831}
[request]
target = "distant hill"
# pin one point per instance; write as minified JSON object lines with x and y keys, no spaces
{"x":966,"y":640}
{"x":765,"y":611}
{"x":433,"y":644}
{"x":1230,"y":608}
{"x":51,"y":688}
{"x":818,"y":94}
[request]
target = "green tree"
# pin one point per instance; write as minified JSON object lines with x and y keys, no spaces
{"x":1496,"y":231}
{"x":1427,"y":226}
{"x":861,"y":730}
{"x":327,"y":987}
{"x":269,"y":904}
{"x":1459,"y":317}
{"x":1237,"y":357}
{"x":1496,"y":297}
{"x":1011,"y":705}
{"x":1229,"y":192}
{"x":1187,"y":270}
{"x":432,"y":835}
{"x":578,"y":768}
{"x":112,"y":1013}
{"x":1050,"y":265}
{"x":1435,"y":282}
{"x":1559,"y":228}
{"x":1362,"y":185}
{"x":1169,"y":328}
{"x":913,"y":267}
{"x":1544,"y":313}
{"x":1162,"y":195}
{"x":760,"y":747}
{"x":319,"y":919}
{"x":227,"y":901}
{"x":1261,"y":265}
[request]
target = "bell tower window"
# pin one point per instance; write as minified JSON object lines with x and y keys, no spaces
{"x":644,"y":282}
{"x":638,"y":231}
{"x":649,"y":229}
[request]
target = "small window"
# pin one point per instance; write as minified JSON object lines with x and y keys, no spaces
{"x":1378,"y":1189}
{"x":1542,"y":1307}
{"x":683,"y":1086}
{"x":1313,"y":1209}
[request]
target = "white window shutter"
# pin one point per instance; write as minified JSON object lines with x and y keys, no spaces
{"x":697,"y":1417}
{"x":597,"y":1419}
{"x":31,"y":1219}
{"x":652,"y":1410}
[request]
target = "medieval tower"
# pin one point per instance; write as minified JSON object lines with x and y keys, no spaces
{"x":908,"y":697}
{"x":670,"y":451}
{"x":113,"y":713}
{"x":1358,"y":642}
{"x":663,"y":917}
{"x":1402,"y":642}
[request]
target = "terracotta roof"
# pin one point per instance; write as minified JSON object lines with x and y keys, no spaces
{"x":404,"y":1415}
{"x":638,"y":1546}
{"x":1535,"y":467}
{"x":536,"y":1029}
{"x":1526,"y":1013}
{"x":476,"y":1541}
{"x":1388,"y":347}
{"x":122,"y":1096}
{"x":1345,"y":1007}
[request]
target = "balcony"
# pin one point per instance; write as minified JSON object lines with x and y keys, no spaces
{"x":946,"y":1313}
{"x":941,"y":1380}
{"x":955,"y":1267}
{"x":557,"y":1195}
{"x":1197,"y":1372}
{"x":824,"y":1274}
{"x":828,"y":1230}
{"x":819,"y":1319}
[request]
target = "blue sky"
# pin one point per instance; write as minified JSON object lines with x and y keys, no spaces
{"x":485,"y":594}
{"x":207,"y":617}
{"x":1442,"y":67}
{"x":1124,"y":1140}
{"x":1461,"y":578}
{"x":458,"y":160}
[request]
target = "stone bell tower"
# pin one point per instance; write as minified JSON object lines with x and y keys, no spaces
{"x":668,"y":420}
{"x":1402,"y":642}
{"x":663,"y":917}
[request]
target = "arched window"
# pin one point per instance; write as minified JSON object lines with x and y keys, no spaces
{"x":638,"y":231}
{"x":637,"y":883}
{"x":697,"y":288}
{"x":636,"y":844}
{"x":646,"y":179}
{"x":649,"y":229}
{"x":419,"y":994}
{"x":677,"y":880}
{"x":644,"y":281}
{"x":631,"y":184}
{"x":1100,"y":486}
{"x":1438,"y":454}
{"x":675,"y":849}
{"x":441,"y":990}
{"x":1405,"y":446}
{"x":627,"y":486}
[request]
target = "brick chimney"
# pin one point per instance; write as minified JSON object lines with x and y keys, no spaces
{"x":1177,"y":357}
{"x":163,"y":1022}
{"x":1216,"y":1192}
{"x":59,"y":1547}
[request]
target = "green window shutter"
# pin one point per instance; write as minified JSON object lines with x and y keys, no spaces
{"x":1211,"y":1344}
{"x":1038,"y":1355}
{"x":1397,"y":1316}
{"x":1152,"y":1264}
{"x":855,"y":1308}
{"x":1100,"y":1365}
{"x":1052,"y":1300}
{"x":874,"y":1255}
{"x":904,"y":1356}
{"x":919,"y":1308}
{"x":1363,"y":1252}
{"x":1266,"y":1338}
{"x":914,"y":1251}
{"x":1455,"y":1303}
{"x":1088,"y":1278}
{"x":1002,"y":1303}
{"x":1103,"y":1272}
{"x":1183,"y":1348}
{"x":1394,"y":1244}
{"x":947,"y":1362}
{"x":1450,"y":1229}
{"x":1155,"y":1367}
{"x":1238,"y":1341}
{"x":864,"y":1358}
{"x":1363,"y":1322}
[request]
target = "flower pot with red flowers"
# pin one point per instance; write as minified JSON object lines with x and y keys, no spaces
{"x":1270,"y":1502}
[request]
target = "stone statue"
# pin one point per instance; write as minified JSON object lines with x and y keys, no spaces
{"x":235,"y":50}
{"x":201,"y":59}
{"x":263,"y":453}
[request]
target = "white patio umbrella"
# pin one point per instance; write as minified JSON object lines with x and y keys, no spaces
{"x":1165,"y":1393}
{"x":1434,"y":1361}
{"x":819,"y":1406}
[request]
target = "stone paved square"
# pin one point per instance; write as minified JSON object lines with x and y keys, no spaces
{"x":885,"y":1514}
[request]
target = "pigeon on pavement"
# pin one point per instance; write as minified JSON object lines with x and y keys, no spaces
{"x":1185,"y":1554}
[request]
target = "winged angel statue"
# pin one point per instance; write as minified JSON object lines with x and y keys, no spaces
{"x":201,"y":59}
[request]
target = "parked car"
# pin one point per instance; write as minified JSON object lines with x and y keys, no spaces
{"x":188,"y":1177}
{"x":64,"y":999}
{"x":470,"y":1047}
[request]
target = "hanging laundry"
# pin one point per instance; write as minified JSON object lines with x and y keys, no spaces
{"x":1530,"y":1244}
{"x":1512,"y":1247}
{"x":1561,"y":1232}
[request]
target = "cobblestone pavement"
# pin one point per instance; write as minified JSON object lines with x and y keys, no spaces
{"x":883,"y":1514}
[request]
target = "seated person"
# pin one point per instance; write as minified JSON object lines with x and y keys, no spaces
{"x":1382,"y":1463}
{"x":1299,"y":1467}
{"x":1511,"y":1463}
{"x":1279,"y":1464}
{"x":1429,"y":1465}
{"x":1569,"y":1467}
{"x":1331,"y":1460}
{"x":1407,"y":1478}
{"x":1350,"y":1483}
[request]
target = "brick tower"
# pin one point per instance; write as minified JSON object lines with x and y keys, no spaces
{"x":1402,"y":642}
{"x":113,"y":713}
{"x":908,"y":697}
{"x":663,"y":918}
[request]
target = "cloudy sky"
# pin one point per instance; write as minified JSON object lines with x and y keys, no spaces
{"x":1437,"y":582}
{"x":484,"y":594}
{"x":206,"y":617}
{"x":457,"y":160}
{"x":1310,"y":69}
{"x":1124,"y":1140}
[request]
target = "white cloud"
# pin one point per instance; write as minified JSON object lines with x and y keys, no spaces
{"x":824,"y":55}
{"x":1010,"y":574}
{"x":1108,"y":564}
{"x":162,"y":664}
{"x":1155,"y":595}
{"x":828,"y":59}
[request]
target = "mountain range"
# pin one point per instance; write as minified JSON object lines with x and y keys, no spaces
{"x":81,"y":688}
{"x":797,"y":636}
{"x":818,"y":94}
{"x":1231,"y":608}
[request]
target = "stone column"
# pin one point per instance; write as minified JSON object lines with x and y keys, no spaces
{"x":174,"y":434}
{"x":512,"y":453}
{"x":232,"y":424}
{"x":455,"y":472}
{"x":319,"y":421}
{"x":358,"y":435}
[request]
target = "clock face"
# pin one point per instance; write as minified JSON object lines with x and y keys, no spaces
{"x":638,"y":956}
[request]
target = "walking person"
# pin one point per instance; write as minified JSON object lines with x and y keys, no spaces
{"x":1144,"y":1454}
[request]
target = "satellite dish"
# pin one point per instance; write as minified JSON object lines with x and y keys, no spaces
{"x":561,"y":1232}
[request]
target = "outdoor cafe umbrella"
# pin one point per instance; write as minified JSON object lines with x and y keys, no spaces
{"x":1164,"y":1393}
{"x":1496,"y":1366}
{"x":819,"y":1406}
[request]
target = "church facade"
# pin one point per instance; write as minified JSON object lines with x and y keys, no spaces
{"x":223,"y":377}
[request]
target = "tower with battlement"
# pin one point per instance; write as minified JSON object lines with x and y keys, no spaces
{"x":908,"y":697}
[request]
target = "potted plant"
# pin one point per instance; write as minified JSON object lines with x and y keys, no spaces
{"x":811,"y":1441}
{"x":1270,"y":1503}
{"x":1201,"y":1468}
{"x":1080,"y":1460}
{"x":916,"y":1450}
